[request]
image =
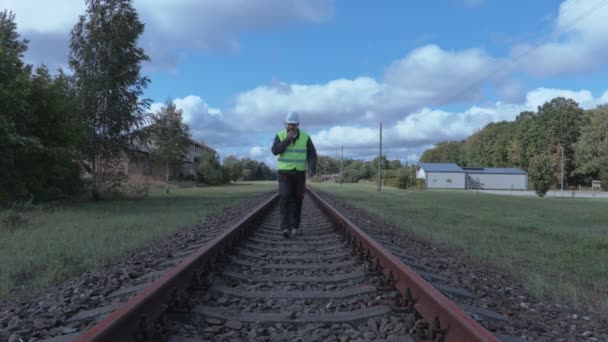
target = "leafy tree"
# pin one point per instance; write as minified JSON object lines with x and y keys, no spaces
{"x":395,"y":164}
{"x":209,"y":169}
{"x":327,"y":165}
{"x":234,"y":168}
{"x":562,"y":118}
{"x":444,"y":152}
{"x":385,"y":163}
{"x":171,"y":137}
{"x":14,"y":89}
{"x":106,"y":62}
{"x":591,"y":149}
{"x":542,"y":174}
{"x":53,"y":170}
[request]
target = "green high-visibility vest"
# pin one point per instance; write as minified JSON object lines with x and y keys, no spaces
{"x":294,"y":157}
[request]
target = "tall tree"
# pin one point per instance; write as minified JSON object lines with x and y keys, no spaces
{"x":591,"y":149}
{"x":444,"y":152}
{"x":209,"y":169}
{"x":542,"y":174}
{"x":561,"y":119}
{"x":171,"y":136}
{"x":53,"y":169}
{"x":234,"y":167}
{"x":106,"y":61}
{"x":14,"y":89}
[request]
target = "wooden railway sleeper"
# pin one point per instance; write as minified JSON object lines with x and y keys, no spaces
{"x":387,"y":284}
{"x":437,"y":333}
{"x":148,"y":331}
{"x":178,"y":301}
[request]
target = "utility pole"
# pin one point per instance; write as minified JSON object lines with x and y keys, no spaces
{"x":380,"y":162}
{"x":342,"y":166}
{"x":562,"y":178}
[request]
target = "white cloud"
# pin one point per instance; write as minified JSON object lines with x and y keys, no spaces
{"x":205,"y":122}
{"x":171,"y":25}
{"x":427,"y":76}
{"x":258,"y":151}
{"x":577,"y":45}
{"x":405,"y":138}
{"x":584,"y":98}
{"x":337,"y":101}
{"x":428,"y":126}
{"x":439,"y":76}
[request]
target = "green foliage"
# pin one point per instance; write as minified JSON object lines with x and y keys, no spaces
{"x":327,"y":165}
{"x":40,"y":129}
{"x":171,"y":137}
{"x":106,"y":61}
{"x":234,"y":168}
{"x":559,"y":123}
{"x":209,"y":170}
{"x":420,"y":184}
{"x":591,"y":149}
{"x":444,"y":152}
{"x":14,"y":90}
{"x":255,"y":170}
{"x":405,"y":178}
{"x":542,"y":174}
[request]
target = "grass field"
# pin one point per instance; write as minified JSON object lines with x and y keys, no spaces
{"x":55,"y":242}
{"x":555,"y":246}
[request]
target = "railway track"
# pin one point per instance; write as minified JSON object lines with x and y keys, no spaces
{"x":335,"y":282}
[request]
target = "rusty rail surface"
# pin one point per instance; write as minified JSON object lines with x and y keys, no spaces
{"x":135,"y":319}
{"x":445,"y":320}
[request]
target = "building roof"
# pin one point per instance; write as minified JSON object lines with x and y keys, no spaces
{"x":452,"y":167}
{"x":495,"y":170}
{"x":440,"y":167}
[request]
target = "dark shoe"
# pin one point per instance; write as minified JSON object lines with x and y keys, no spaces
{"x":286,"y":232}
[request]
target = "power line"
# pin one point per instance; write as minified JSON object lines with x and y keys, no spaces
{"x":563,"y":29}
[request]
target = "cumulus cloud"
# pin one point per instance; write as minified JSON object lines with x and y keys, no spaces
{"x":417,"y":130}
{"x":439,"y":76}
{"x":578,"y":43}
{"x":258,"y":151}
{"x":405,"y":138}
{"x":428,"y":76}
{"x":205,"y":122}
{"x":171,"y":25}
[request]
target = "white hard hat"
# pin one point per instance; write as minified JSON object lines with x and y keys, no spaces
{"x":292,"y":118}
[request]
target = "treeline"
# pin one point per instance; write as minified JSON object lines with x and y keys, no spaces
{"x":61,"y":131}
{"x":42,"y":131}
{"x":534,"y":142}
{"x":213,"y":172}
{"x":66,"y":134}
{"x":394,"y":173}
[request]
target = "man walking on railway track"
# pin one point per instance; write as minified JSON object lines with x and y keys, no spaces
{"x":297,"y":157}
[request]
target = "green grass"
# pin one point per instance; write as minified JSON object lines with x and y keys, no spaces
{"x":556,"y":247}
{"x":48,"y":244}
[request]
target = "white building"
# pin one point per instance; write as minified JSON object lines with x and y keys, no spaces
{"x":442,"y":176}
{"x":495,"y":178}
{"x":452,"y":176}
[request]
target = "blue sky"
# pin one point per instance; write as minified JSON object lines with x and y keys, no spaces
{"x":429,"y":70}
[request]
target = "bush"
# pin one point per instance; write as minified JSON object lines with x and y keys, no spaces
{"x":420,"y":183}
{"x":542,"y":174}
{"x":13,"y":219}
{"x":210,"y":170}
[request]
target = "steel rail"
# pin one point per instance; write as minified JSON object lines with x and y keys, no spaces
{"x":445,"y":321}
{"x":136,"y":319}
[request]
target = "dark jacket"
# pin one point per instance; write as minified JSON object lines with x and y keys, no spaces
{"x":311,"y":153}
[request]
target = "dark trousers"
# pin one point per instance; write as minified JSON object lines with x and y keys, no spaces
{"x":291,"y":192}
